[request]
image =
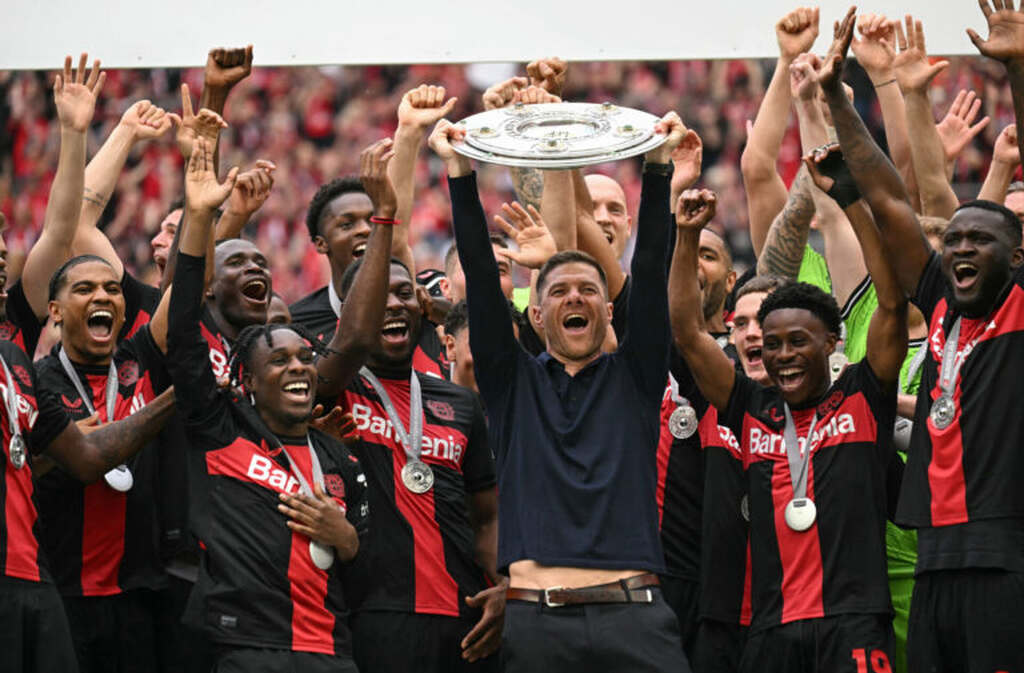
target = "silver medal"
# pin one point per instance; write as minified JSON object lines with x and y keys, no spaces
{"x":322,"y":555}
{"x":683,"y":421}
{"x":16,"y":448}
{"x":418,"y":477}
{"x":120,"y":478}
{"x":836,"y":364}
{"x":800,"y":514}
{"x":943,"y":411}
{"x":745,"y":508}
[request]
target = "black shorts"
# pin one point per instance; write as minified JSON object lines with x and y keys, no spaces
{"x":966,"y":621}
{"x":180,"y":648}
{"x":115,"y":633}
{"x":682,"y":595}
{"x":400,"y":642}
{"x":718,"y":647}
{"x":612,"y":638}
{"x":840,"y":644}
{"x":253,"y":660}
{"x":34,"y":633}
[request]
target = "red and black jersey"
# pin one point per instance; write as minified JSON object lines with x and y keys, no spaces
{"x":41,"y":419}
{"x":421,"y":555}
{"x":140,"y":302}
{"x":972,"y":470}
{"x":838,"y":565}
{"x":101,"y":541}
{"x":258,"y":586}
{"x":315,"y":313}
{"x":701,"y":488}
{"x":21,"y":326}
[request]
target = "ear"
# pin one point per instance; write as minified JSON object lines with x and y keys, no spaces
{"x":536,"y":318}
{"x":446,"y":288}
{"x":610,"y":307}
{"x":248,"y":382}
{"x":730,"y":282}
{"x":449,"y":347}
{"x":831,"y":339}
{"x":1017,"y":258}
{"x":629,"y":224}
{"x":320,"y":243}
{"x":56,"y":314}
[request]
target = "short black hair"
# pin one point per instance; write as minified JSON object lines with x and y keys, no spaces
{"x":569,"y":257}
{"x":176,"y":204}
{"x":349,"y":276}
{"x":1010,"y":221}
{"x":241,"y":354}
{"x":766,"y":283}
{"x":498,"y":239}
{"x":324,"y":195}
{"x":60,"y":277}
{"x":458,"y":317}
{"x":804,"y":296}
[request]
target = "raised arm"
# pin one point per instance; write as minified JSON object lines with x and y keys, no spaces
{"x":141,"y":122}
{"x":1005,"y":43}
{"x":958,"y":127}
{"x":711,"y":368}
{"x":874,"y":52}
{"x":887,"y":334}
{"x":225,"y":67}
{"x":591,"y":239}
{"x":417,"y":113}
{"x":1005,"y":159}
{"x":251,"y":191}
{"x":787,"y":236}
{"x":74,"y":94}
{"x":915,"y":73}
{"x":362,"y":313}
{"x":766,"y":193}
{"x":876,"y":178}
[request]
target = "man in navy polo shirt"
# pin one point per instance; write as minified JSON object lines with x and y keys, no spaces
{"x":575,"y":435}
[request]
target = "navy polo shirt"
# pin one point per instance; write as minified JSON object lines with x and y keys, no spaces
{"x":576,"y":455}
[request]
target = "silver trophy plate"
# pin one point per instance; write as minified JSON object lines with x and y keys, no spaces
{"x":558,"y":135}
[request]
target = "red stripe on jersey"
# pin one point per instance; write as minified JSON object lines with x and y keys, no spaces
{"x":713,"y":434}
{"x":746,"y":608}
{"x":103,"y":529}
{"x":422,"y":362}
{"x":664,"y":451}
{"x":19,"y":518}
{"x":436,"y":590}
{"x":141,"y":318}
{"x":312,"y":623}
{"x":799,"y":552}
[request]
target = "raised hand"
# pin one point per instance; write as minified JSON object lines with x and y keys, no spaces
{"x":373,"y":173}
{"x":549,"y":74}
{"x":955,"y":129}
{"x":75,"y":94}
{"x":533,"y":95}
{"x":873,"y":53}
{"x":423,"y":106}
{"x":227,"y":67}
{"x":337,"y":423}
{"x":797,"y":31}
{"x":146,"y":121}
{"x":319,"y":518}
{"x":252,"y":188}
{"x":526,"y":227}
{"x":1005,"y":31}
{"x":674,"y":128}
{"x":1006,"y":150}
{"x":695,"y":209}
{"x":829,"y":172}
{"x":803,"y":84}
{"x":686,"y":161}
{"x":503,"y":94}
{"x":202,"y":191}
{"x":912,"y":69}
{"x":830,"y":74}
{"x":441,"y":138}
{"x":207,"y":124}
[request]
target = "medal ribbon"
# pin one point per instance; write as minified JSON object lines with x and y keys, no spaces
{"x":314,"y":460}
{"x":797,"y":462}
{"x":676,"y":397}
{"x":11,"y":401}
{"x":111,"y":391}
{"x":412,"y":440}
{"x":915,"y":365}
{"x":952,"y":360}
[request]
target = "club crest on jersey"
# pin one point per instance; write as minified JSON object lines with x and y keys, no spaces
{"x":442,"y":410}
{"x":23,"y":376}
{"x":24,"y":407}
{"x":776,"y":415}
{"x":335,"y":485}
{"x":128,"y":373}
{"x":832,"y":403}
{"x":6,"y":331}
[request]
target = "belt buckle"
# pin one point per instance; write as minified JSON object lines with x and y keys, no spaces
{"x":547,"y":598}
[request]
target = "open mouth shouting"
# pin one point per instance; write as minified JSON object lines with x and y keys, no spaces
{"x":256,"y":291}
{"x":297,"y":391}
{"x":965,"y":274}
{"x":575,"y":323}
{"x":3,"y":285}
{"x":753,"y":355}
{"x":395,"y":331}
{"x":100,"y":324}
{"x":790,"y":378}
{"x":359,"y":250}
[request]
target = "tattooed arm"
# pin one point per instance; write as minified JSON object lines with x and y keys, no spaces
{"x":529,"y":185}
{"x":784,"y":246}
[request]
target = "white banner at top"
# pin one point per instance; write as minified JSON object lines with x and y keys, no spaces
{"x":37,"y":35}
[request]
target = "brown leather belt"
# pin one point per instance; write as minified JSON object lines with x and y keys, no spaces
{"x":636,"y":589}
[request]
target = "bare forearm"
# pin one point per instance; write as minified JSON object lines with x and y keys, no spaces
{"x":897,"y":133}
{"x":843,"y":257}
{"x":231,"y":224}
{"x":890,"y":295}
{"x":102,"y":173}
{"x":402,"y":171}
{"x":590,"y":239}
{"x":812,"y":125}
{"x":937,"y":196}
{"x":784,"y":247}
{"x":1015,"y":73}
{"x":685,"y":312}
{"x":529,"y":185}
{"x":486,"y":552}
{"x":558,"y":208}
{"x":997,"y":182}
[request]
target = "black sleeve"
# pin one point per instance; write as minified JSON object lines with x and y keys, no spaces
{"x":199,"y":402}
{"x":52,"y":418}
{"x":491,"y":340}
{"x":529,"y":339}
{"x":140,"y":302}
{"x":141,"y":348}
{"x":620,"y":311}
{"x":20,"y":314}
{"x":931,"y":287}
{"x":357,"y":501}
{"x":478,"y":471}
{"x":893,"y":484}
{"x":743,"y":391}
{"x":649,"y":336}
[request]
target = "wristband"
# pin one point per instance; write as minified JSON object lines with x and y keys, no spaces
{"x":844,"y":192}
{"x":655,"y":168}
{"x":386,"y":221}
